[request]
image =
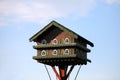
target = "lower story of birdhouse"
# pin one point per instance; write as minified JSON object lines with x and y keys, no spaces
{"x":69,"y":56}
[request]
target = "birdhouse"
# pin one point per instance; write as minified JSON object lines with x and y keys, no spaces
{"x":56,"y":45}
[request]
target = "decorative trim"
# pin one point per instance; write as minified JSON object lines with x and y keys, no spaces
{"x":43,"y":53}
{"x":67,"y":41}
{"x":43,"y":41}
{"x":54,"y":41}
{"x":55,"y":52}
{"x":66,"y":52}
{"x":72,"y":45}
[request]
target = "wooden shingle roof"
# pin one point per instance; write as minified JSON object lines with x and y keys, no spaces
{"x":56,"y":24}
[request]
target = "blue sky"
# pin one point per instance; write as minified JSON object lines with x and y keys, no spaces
{"x":96,"y":20}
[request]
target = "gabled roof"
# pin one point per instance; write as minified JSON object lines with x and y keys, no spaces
{"x":56,"y":24}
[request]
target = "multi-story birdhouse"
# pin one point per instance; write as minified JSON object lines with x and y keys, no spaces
{"x":56,"y":45}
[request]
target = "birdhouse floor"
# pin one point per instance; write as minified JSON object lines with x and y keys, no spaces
{"x":58,"y":60}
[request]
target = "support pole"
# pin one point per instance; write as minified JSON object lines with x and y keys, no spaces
{"x":77,"y":72}
{"x":47,"y":72}
{"x":62,"y":72}
{"x":69,"y":72}
{"x":56,"y":73}
{"x":62,"y":75}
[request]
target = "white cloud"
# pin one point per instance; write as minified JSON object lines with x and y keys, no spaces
{"x":32,"y":11}
{"x":113,"y":1}
{"x":2,"y":23}
{"x":44,"y":10}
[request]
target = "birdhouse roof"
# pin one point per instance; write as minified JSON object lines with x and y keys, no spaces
{"x":56,"y":24}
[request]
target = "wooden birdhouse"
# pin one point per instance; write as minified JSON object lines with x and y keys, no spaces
{"x":56,"y":45}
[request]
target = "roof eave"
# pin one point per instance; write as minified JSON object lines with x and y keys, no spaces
{"x":48,"y":26}
{"x":40,"y":32}
{"x":33,"y":38}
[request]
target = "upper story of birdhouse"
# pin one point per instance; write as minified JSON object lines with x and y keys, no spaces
{"x":55,"y":41}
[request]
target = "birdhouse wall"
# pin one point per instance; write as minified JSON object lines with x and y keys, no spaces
{"x":79,"y":52}
{"x":81,"y":42}
{"x":51,"y":52}
{"x":53,"y":37}
{"x":54,"y":33}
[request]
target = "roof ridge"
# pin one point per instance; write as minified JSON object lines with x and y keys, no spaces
{"x":60,"y":26}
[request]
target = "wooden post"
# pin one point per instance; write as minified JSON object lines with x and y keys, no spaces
{"x":63,"y":71}
{"x":56,"y":73}
{"x":62,"y":75}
